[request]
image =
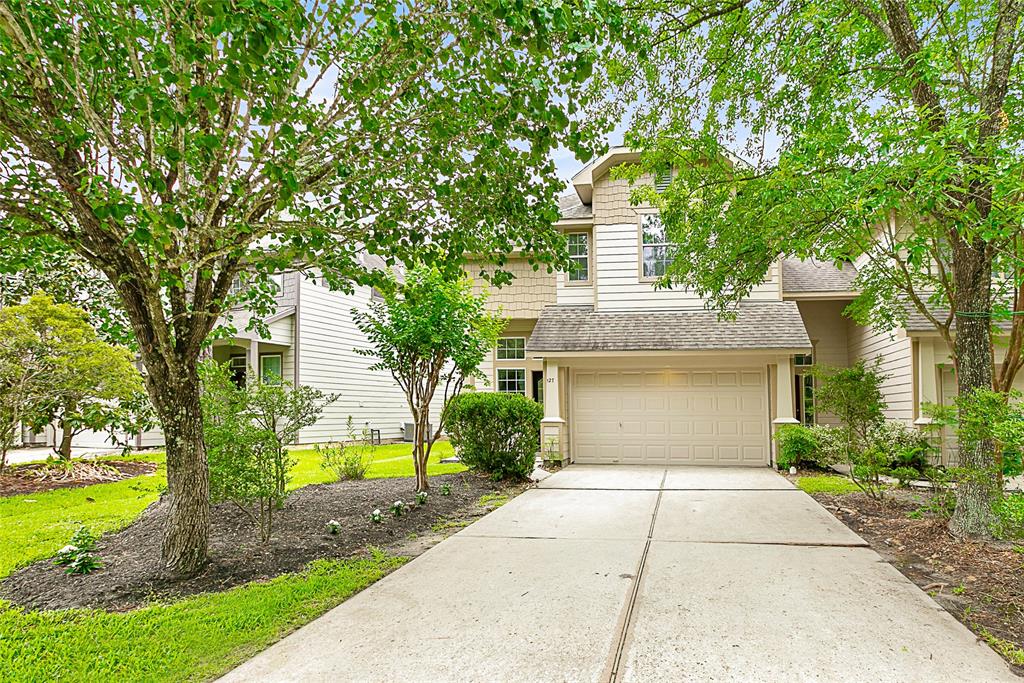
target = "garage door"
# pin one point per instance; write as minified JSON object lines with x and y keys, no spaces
{"x":679,"y":417}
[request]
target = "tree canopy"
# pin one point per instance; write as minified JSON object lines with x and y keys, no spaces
{"x":889,"y":130}
{"x":177,"y":146}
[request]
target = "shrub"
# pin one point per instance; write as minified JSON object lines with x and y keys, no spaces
{"x":350,"y":459}
{"x":796,"y":446}
{"x":1009,"y":522}
{"x":496,"y":433}
{"x":245,"y":430}
{"x":905,"y":446}
{"x":77,"y":556}
{"x":904,"y":475}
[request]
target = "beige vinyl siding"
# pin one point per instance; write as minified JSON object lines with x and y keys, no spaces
{"x":328,"y":361}
{"x":524,"y":297}
{"x":616,"y":261}
{"x":619,"y":285}
{"x":827,"y":329}
{"x":897,"y":364}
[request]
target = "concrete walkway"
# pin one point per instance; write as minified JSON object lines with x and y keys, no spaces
{"x":623,"y":573}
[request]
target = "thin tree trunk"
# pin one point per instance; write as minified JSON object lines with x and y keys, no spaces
{"x":978,"y":488}
{"x":66,"y":434}
{"x":188,"y":522}
{"x":419,"y":452}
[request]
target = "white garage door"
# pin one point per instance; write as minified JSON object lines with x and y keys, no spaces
{"x":679,"y":417}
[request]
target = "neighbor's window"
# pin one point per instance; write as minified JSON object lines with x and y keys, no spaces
{"x":655,"y":245}
{"x":511,"y":348}
{"x":512,"y":381}
{"x":803,"y":360}
{"x":270,"y":369}
{"x":239,"y":366}
{"x":579,"y":257}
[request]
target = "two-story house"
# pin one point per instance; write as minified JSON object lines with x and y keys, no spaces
{"x":633,"y":374}
{"x":313,"y":340}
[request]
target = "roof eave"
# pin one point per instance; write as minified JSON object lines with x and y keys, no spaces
{"x":583,"y":181}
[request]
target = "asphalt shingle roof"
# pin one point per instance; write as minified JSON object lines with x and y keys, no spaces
{"x":572,"y":208}
{"x":765,"y":325}
{"x":816,"y":276}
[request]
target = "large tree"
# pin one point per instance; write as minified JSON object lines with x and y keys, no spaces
{"x":890,"y":129}
{"x":176,"y":144}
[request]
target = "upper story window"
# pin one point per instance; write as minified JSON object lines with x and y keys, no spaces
{"x":656,"y":250}
{"x":511,"y":348}
{"x":237,"y":287}
{"x":579,"y":257}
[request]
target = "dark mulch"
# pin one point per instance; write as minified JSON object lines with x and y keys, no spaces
{"x":132,"y":575}
{"x":980,"y":583}
{"x":25,"y":479}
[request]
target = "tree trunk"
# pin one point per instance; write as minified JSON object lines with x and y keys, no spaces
{"x":188,"y":522}
{"x":419,"y":454}
{"x":978,"y":489}
{"x":66,"y":434}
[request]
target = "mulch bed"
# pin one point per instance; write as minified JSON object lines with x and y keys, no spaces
{"x":979,"y":583}
{"x":132,"y":575}
{"x":22,"y":480}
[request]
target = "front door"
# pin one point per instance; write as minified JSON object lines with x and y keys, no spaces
{"x":537,"y":378}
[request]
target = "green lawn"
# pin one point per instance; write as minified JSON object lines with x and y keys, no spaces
{"x":827,"y":483}
{"x":389,"y":461}
{"x":167,"y":641}
{"x":192,"y":639}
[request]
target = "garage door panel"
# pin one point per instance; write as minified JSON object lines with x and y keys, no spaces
{"x":671,"y":417}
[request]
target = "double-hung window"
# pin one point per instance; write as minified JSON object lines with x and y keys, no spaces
{"x":512,"y":380}
{"x":511,"y":348}
{"x":271,"y":371}
{"x":579,"y":257}
{"x":656,"y":250}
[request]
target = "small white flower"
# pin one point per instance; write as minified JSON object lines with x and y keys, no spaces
{"x":68,"y":549}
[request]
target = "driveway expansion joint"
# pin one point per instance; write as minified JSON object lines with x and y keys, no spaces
{"x":631,"y":605}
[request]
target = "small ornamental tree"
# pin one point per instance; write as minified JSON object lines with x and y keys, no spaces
{"x":430,"y":332}
{"x":54,"y":368}
{"x":93,"y":385}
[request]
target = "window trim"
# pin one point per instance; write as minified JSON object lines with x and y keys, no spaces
{"x":590,"y":269}
{"x":497,"y":380}
{"x":497,"y":354}
{"x":280,"y":359}
{"x":640,"y":246}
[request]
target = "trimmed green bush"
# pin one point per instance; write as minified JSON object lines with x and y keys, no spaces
{"x":797,"y":446}
{"x":495,"y":433}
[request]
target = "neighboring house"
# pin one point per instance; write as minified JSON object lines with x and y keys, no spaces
{"x":633,"y":374}
{"x":312,"y":339}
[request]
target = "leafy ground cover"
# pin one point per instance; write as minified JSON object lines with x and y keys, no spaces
{"x":832,"y":484}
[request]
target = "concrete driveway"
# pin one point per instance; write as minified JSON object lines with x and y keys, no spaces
{"x":617,"y":573}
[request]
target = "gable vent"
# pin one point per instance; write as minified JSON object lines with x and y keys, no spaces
{"x":662,"y":180}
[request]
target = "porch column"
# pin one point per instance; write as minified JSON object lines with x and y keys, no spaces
{"x":785,"y":408}
{"x":552,"y":427}
{"x":927,"y":384}
{"x":252,"y":373}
